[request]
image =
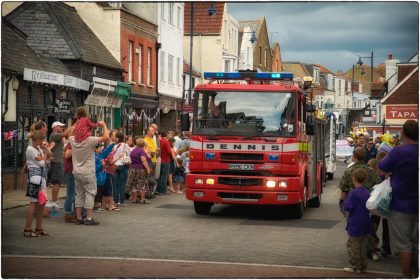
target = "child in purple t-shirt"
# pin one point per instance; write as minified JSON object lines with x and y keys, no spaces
{"x":359,"y":225}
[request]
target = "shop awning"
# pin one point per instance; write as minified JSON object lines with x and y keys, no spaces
{"x":141,"y":103}
{"x":108,"y":93}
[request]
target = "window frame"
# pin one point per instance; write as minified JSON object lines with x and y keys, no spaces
{"x":170,"y":69}
{"x":149,"y":66}
{"x":130,"y":61}
{"x":162,"y":66}
{"x":140,"y":65}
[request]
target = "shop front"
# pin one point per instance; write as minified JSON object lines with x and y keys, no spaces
{"x":40,"y":95}
{"x":105,"y":101}
{"x":139,"y":112}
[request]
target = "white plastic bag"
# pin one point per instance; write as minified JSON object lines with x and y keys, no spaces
{"x":379,"y":202}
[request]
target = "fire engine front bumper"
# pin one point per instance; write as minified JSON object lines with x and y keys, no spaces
{"x":258,"y":195}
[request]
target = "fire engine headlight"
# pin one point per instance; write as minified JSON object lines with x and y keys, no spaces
{"x":270,"y":184}
{"x":210,"y":181}
{"x":283,"y":184}
{"x":198,"y":181}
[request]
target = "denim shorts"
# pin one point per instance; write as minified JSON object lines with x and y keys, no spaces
{"x":179,"y":179}
{"x":107,"y":189}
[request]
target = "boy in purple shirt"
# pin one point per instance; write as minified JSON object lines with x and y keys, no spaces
{"x":359,"y":225}
{"x":402,"y":164}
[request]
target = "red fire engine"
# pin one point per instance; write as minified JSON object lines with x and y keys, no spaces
{"x":255,"y":140}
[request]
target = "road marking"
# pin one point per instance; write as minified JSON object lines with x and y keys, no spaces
{"x":191,"y":262}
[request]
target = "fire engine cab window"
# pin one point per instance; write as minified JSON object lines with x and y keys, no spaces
{"x":246,"y":113}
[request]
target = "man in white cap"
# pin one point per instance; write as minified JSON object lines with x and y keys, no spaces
{"x":57,"y":161}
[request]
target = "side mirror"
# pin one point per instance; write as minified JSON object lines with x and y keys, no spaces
{"x":310,"y":125}
{"x":310,"y":108}
{"x":185,"y":122}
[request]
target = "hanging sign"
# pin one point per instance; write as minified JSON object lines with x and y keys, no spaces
{"x":62,"y":106}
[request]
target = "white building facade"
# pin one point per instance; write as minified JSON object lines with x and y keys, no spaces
{"x":170,"y":59}
{"x":246,"y":55}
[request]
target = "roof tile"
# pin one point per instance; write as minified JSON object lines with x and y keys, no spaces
{"x":203,"y":23}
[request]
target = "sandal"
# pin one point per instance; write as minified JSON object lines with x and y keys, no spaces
{"x":29,"y":233}
{"x":41,"y":232}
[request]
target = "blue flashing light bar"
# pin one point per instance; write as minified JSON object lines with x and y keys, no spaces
{"x":249,"y":75}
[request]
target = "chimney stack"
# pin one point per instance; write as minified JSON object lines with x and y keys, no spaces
{"x":391,"y":71}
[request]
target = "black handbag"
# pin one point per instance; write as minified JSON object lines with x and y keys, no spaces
{"x":33,"y":189}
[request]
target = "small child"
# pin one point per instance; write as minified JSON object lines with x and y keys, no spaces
{"x":100,"y":155}
{"x":359,"y":225}
{"x":179,"y":175}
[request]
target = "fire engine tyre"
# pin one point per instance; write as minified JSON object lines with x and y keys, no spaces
{"x":330,"y":176}
{"x":202,"y":208}
{"x":297,"y":211}
{"x":315,"y":202}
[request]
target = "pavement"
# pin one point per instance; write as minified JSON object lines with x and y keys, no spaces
{"x":17,"y":198}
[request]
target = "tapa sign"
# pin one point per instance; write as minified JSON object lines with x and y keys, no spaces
{"x":402,"y":112}
{"x":55,"y":79}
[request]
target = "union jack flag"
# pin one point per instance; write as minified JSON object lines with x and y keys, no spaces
{"x":10,"y":134}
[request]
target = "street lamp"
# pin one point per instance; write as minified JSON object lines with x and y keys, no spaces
{"x":360,"y":62}
{"x":211,"y":11}
{"x":253,"y":38}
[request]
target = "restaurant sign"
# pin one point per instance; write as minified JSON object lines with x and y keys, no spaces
{"x":55,"y":79}
{"x":62,"y":106}
{"x":402,"y":112}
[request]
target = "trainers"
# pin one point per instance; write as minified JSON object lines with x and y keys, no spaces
{"x":78,"y":221}
{"x":385,"y":253}
{"x":91,"y":222}
{"x":351,"y":269}
{"x":375,"y":256}
{"x":100,"y":210}
{"x":52,"y":205}
{"x":144,"y":202}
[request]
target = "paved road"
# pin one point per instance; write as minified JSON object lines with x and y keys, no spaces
{"x":167,"y":239}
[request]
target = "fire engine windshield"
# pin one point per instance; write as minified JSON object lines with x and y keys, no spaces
{"x":246,"y":113}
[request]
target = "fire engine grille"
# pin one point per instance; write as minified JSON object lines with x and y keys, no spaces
{"x":240,"y":181}
{"x":242,"y":173}
{"x":242,"y":157}
{"x":250,"y":196}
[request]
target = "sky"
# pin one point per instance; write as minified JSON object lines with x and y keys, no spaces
{"x":335,"y":34}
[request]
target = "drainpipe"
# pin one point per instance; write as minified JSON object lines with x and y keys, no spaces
{"x":6,"y":105}
{"x":158,"y":46}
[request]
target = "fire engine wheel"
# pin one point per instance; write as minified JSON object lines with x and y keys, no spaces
{"x":202,"y":208}
{"x":297,"y":211}
{"x":330,"y":176}
{"x":315,"y":202}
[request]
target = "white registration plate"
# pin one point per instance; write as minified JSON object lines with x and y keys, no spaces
{"x":239,"y":166}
